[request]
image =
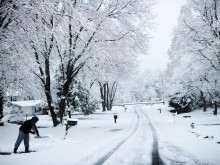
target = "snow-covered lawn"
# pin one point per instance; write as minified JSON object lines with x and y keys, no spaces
{"x":97,"y":139}
{"x":179,"y":143}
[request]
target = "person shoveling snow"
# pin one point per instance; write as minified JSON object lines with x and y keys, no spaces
{"x":26,"y":128}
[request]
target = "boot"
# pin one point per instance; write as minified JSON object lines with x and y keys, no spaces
{"x":15,"y":150}
{"x":27,"y":149}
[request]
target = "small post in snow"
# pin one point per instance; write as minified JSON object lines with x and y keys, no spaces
{"x":26,"y":115}
{"x":159,"y":109}
{"x":174,"y":116}
{"x":69,"y":113}
{"x":115,"y":117}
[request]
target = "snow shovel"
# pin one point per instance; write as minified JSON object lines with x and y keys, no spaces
{"x":39,"y":137}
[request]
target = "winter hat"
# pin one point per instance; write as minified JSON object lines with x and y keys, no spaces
{"x":34,"y":119}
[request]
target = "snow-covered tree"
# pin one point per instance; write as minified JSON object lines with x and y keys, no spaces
{"x":5,"y":19}
{"x":70,"y":35}
{"x":15,"y":73}
{"x":79,"y":98}
{"x":94,"y":30}
{"x":194,"y":54}
{"x":37,"y":29}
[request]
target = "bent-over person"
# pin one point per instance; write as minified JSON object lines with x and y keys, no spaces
{"x":26,"y":128}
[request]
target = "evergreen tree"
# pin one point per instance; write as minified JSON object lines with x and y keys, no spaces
{"x":78,"y":97}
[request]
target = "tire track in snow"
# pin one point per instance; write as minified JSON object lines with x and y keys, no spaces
{"x":156,"y":160}
{"x":143,"y":142}
{"x":108,"y":155}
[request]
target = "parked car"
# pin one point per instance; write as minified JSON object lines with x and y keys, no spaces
{"x":16,"y":118}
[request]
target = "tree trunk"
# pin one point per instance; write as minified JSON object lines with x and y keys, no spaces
{"x":51,"y":108}
{"x":44,"y":76}
{"x":107,"y":101}
{"x":48,"y":92}
{"x":204,"y":102}
{"x":53,"y":115}
{"x":66,"y":87}
{"x":1,"y":103}
{"x":102,"y":97}
{"x":112,"y":94}
{"x":216,"y":108}
{"x":62,"y":104}
{"x":107,"y":95}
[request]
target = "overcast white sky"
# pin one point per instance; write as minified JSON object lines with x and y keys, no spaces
{"x":167,"y":12}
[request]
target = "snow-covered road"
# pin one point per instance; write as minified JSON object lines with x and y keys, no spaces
{"x":136,"y":147}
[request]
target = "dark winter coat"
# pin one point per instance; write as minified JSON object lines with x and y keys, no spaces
{"x":27,"y":127}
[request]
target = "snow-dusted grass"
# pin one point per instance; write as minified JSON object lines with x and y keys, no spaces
{"x":97,"y":135}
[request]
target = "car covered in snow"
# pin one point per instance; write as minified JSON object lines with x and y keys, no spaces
{"x":16,"y":118}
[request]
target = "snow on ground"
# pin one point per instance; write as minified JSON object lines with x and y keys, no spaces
{"x":180,"y":143}
{"x":97,"y":139}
